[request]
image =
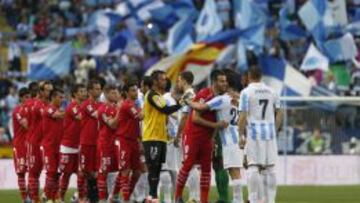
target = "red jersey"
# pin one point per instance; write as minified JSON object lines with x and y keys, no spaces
{"x":89,"y":122}
{"x":20,"y":132}
{"x":72,"y":126}
{"x":53,"y":129}
{"x":106,"y":134}
{"x":129,"y":122}
{"x":36,"y":125}
{"x":191,"y":128}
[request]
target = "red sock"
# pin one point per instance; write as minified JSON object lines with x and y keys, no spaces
{"x":49,"y":186}
{"x":180,"y":183}
{"x":55,"y":189}
{"x":81,"y":184}
{"x":34,"y":187}
{"x":64,"y":183}
{"x":117,"y":186}
{"x":125,"y":186}
{"x":22,"y":185}
{"x":205,"y":179}
{"x":102,"y":187}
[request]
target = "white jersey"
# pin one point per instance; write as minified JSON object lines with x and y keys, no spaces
{"x":227,"y":112}
{"x":173,"y":122}
{"x":190,"y":94}
{"x":259,"y":102}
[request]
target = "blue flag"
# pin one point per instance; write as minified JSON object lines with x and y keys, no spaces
{"x":50,"y":63}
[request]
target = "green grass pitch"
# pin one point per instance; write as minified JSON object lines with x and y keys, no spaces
{"x":286,"y":194}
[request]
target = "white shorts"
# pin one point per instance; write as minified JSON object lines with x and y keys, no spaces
{"x":261,"y":152}
{"x":173,"y":158}
{"x":233,"y":156}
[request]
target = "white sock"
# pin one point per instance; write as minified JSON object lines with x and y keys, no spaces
{"x":110,"y":181}
{"x":141,"y":188}
{"x":269,"y":182}
{"x":194,"y":184}
{"x":237,"y":191}
{"x":166,"y":187}
{"x":254,"y":180}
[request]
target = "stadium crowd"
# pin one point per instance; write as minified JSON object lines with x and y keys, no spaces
{"x":32,"y":25}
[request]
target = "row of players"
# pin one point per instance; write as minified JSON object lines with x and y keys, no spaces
{"x":92,"y":138}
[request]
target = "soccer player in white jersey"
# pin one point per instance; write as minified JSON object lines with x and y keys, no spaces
{"x":226,"y":107}
{"x":261,"y":115}
{"x":184,"y":84}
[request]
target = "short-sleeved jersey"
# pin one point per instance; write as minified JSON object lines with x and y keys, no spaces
{"x":129,"y":122}
{"x":227,"y":112}
{"x":106,"y":133}
{"x":36,"y":124}
{"x":20,"y":132}
{"x":53,"y":129}
{"x":72,"y":126}
{"x":259,"y":102}
{"x":192,"y":129}
{"x":89,"y":122}
{"x":173,"y":122}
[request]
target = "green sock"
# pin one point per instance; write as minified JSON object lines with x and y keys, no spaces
{"x":222,"y":185}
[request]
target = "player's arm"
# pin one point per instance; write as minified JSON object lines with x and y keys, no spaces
{"x":157,"y":102}
{"x":278,"y":113}
{"x":22,"y":121}
{"x":109,"y":121}
{"x":135,"y":113}
{"x":58,"y":114}
{"x":243,"y":116}
{"x":198,"y":106}
{"x":184,"y":117}
{"x":197,"y":119}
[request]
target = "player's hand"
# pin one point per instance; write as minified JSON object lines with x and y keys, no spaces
{"x":222,"y":124}
{"x":177,"y":142}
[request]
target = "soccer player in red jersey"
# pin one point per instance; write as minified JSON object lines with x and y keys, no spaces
{"x":69,"y":148}
{"x":107,"y":116}
{"x":35,"y":134}
{"x":198,"y":132}
{"x":88,"y":137}
{"x":128,"y":135}
{"x":52,"y":134}
{"x":20,"y":125}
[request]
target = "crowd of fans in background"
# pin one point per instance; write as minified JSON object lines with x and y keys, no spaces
{"x":34,"y":24}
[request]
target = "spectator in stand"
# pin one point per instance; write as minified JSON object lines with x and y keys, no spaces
{"x":14,"y":54}
{"x":317,"y":142}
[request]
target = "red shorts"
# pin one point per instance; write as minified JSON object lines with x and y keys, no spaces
{"x":20,"y":159}
{"x":51,"y":160}
{"x":107,"y":161}
{"x":129,"y":155}
{"x":88,"y":158}
{"x":69,"y":163}
{"x":34,"y":159}
{"x":197,"y":150}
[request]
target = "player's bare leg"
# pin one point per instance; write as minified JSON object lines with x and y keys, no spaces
{"x":237,"y":187}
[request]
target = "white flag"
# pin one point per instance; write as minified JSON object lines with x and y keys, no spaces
{"x":314,"y":60}
{"x":209,"y":22}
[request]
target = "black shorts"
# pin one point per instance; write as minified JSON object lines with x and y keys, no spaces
{"x":155,"y":152}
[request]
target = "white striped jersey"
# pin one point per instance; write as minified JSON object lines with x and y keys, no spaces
{"x":227,"y":112}
{"x":173,"y":122}
{"x":259,"y":102}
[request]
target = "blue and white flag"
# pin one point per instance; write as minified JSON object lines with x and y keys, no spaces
{"x":209,"y":22}
{"x":289,"y":30}
{"x":50,"y":63}
{"x":180,"y":36}
{"x":340,"y":49}
{"x":105,"y":21}
{"x":316,"y":17}
{"x":242,"y":63}
{"x":283,"y":78}
{"x":314,"y":60}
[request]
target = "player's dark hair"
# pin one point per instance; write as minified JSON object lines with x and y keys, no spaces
{"x":92,"y":84}
{"x":44,"y":83}
{"x":128,"y":85}
{"x":33,"y":89}
{"x":188,"y":76}
{"x":255,"y":73}
{"x":55,"y":92}
{"x":233,"y":79}
{"x":215,"y":74}
{"x":147,"y":81}
{"x":75,"y":89}
{"x":168,"y":85}
{"x":109,"y":88}
{"x":23,"y":91}
{"x":155,"y":75}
